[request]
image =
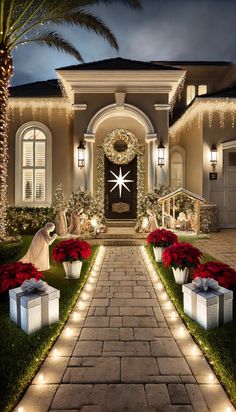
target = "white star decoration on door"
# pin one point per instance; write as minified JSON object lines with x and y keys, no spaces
{"x":120,"y":181}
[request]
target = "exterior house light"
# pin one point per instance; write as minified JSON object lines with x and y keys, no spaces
{"x":161,"y":154}
{"x":213,"y":151}
{"x":81,"y":154}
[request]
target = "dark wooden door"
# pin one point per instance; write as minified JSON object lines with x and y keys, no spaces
{"x":121,"y":190}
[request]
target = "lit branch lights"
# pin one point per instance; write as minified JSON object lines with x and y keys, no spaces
{"x":5,"y":75}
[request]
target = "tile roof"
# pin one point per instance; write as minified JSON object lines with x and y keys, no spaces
{"x":48,"y":88}
{"x":119,"y":63}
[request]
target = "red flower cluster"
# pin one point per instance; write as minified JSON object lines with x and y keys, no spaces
{"x":71,"y":250}
{"x":14,"y":274}
{"x":181,"y":255}
{"x":224,"y":274}
{"x":162,"y":238}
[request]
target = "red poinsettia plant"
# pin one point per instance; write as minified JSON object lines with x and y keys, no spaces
{"x":161,"y":238}
{"x":182,"y":255}
{"x":71,"y":250}
{"x":224,"y":274}
{"x":13,"y":275}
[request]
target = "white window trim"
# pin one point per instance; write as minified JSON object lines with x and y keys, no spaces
{"x":19,"y":169}
{"x":181,"y":151}
{"x":195,"y":90}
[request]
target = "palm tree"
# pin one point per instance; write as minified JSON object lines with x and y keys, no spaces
{"x":25,"y":21}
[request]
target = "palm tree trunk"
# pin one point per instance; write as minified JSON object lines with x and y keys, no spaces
{"x":5,"y":75}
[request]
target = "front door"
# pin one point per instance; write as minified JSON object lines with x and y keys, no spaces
{"x":121,"y":190}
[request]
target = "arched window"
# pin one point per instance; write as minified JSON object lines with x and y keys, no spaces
{"x":33,"y":165}
{"x":177,"y":166}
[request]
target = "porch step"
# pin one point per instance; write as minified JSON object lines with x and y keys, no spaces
{"x":117,"y":242}
{"x":122,"y":234}
{"x":120,"y":223}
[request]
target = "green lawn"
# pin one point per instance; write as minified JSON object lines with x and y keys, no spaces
{"x":20,"y":354}
{"x":218,"y":345}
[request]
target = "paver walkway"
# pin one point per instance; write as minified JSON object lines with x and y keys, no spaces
{"x":221,"y":245}
{"x":124,"y":349}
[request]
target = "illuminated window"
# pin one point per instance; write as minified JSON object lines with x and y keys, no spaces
{"x":33,"y":165}
{"x":177,"y":167}
{"x":202,"y":89}
{"x":191,"y":93}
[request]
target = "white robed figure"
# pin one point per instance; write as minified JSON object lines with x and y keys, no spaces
{"x":38,"y":252}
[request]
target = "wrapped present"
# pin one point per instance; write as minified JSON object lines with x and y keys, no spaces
{"x":14,"y":297}
{"x":30,"y":313}
{"x":208,"y":303}
{"x":50,"y":306}
{"x":34,"y":305}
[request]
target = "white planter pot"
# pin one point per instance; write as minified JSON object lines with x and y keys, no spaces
{"x":158,"y":253}
{"x":181,"y":275}
{"x":72,"y":269}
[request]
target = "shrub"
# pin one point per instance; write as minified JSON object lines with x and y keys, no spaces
{"x":27,"y":220}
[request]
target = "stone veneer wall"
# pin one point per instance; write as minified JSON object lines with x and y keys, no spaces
{"x":209,"y":218}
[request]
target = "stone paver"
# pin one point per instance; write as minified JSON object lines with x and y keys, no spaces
{"x":221,"y":245}
{"x":124,"y":349}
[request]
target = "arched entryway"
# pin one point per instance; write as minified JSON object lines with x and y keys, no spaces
{"x":132,"y":120}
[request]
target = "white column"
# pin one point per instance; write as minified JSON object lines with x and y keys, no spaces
{"x":151,"y":139}
{"x":89,"y":139}
{"x":79,"y":174}
{"x":163,"y":134}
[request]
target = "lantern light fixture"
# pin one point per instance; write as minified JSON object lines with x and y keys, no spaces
{"x":213,"y":151}
{"x":161,"y":154}
{"x":81,"y":154}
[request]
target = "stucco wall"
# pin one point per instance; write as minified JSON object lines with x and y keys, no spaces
{"x":191,"y":140}
{"x":215,"y":135}
{"x":62,"y":143}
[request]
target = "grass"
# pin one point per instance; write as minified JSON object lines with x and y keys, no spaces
{"x":20,"y":354}
{"x":218,"y":345}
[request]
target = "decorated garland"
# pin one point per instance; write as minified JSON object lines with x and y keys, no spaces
{"x":123,"y":157}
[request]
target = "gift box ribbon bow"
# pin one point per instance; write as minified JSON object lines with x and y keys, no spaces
{"x":204,"y":284}
{"x":32,"y":285}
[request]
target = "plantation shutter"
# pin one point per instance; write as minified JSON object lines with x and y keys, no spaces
{"x":27,"y":185}
{"x":40,"y":184}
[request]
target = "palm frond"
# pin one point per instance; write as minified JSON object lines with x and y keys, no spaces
{"x":56,"y":41}
{"x":88,"y":21}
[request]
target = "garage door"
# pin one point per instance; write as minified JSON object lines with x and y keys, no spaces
{"x":223,"y":191}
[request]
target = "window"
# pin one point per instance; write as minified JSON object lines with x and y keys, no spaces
{"x":202,"y":89}
{"x":193,"y":90}
{"x":33,"y":164}
{"x":191,"y":93}
{"x":177,"y":158}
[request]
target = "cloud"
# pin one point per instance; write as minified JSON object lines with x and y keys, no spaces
{"x":165,"y":30}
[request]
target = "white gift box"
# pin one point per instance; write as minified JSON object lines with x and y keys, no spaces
{"x":50,"y":306}
{"x":210,"y":309}
{"x":32,"y":311}
{"x":14,"y":296}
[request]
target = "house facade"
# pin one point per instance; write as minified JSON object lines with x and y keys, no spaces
{"x":123,"y":110}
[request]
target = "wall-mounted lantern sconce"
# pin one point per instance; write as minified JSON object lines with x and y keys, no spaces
{"x":161,"y":154}
{"x":81,"y":154}
{"x":213,"y":151}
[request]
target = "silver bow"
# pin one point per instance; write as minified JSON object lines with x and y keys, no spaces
{"x":204,"y":284}
{"x":32,"y":285}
